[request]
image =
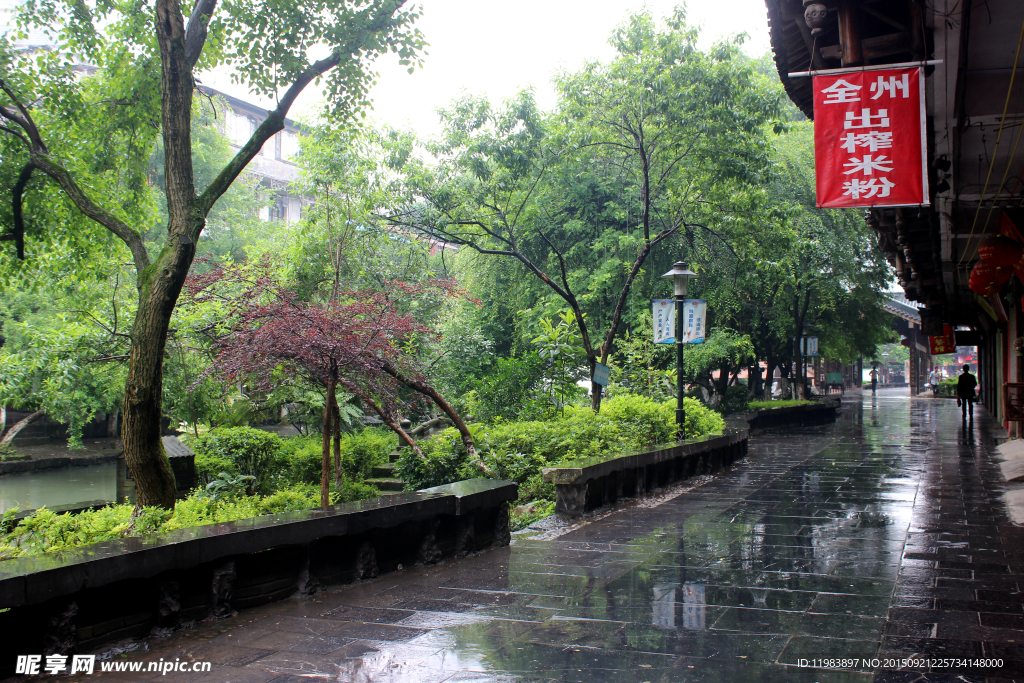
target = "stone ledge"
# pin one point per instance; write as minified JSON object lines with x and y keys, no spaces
{"x":824,"y":410}
{"x":595,"y":482}
{"x":20,"y":466}
{"x":592,"y":482}
{"x":210,"y":571}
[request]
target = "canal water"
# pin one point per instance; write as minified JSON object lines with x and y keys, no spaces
{"x":63,"y":486}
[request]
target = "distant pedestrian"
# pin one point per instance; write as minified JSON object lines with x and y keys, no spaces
{"x":874,"y":379}
{"x":965,"y":386}
{"x":933,"y":380}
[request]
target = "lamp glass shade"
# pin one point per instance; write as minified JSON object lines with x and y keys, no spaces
{"x":681,"y":276}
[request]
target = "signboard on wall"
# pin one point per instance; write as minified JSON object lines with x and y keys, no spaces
{"x":869,"y":139}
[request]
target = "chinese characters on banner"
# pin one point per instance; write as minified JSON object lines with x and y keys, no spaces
{"x":808,"y":346}
{"x":694,"y":312}
{"x":664,"y":321}
{"x":869,"y":143}
{"x":944,"y":344}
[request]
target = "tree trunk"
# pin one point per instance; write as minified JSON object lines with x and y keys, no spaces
{"x":336,"y":419}
{"x":18,"y":426}
{"x":160,"y":283}
{"x":143,"y":403}
{"x":429,"y":391}
{"x":325,"y":454}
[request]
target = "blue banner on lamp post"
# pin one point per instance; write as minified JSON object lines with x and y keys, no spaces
{"x":694,"y":315}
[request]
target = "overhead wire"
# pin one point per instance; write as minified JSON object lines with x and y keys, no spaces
{"x":999,"y":137}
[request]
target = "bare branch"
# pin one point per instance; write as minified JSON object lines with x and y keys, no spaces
{"x":19,"y":217}
{"x":275,"y":119}
{"x":130,"y":237}
{"x":195,"y":31}
{"x":11,"y":131}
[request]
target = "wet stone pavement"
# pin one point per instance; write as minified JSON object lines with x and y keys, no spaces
{"x":883,"y":537}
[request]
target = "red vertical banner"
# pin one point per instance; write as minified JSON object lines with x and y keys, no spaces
{"x":869,"y":139}
{"x":944,"y":344}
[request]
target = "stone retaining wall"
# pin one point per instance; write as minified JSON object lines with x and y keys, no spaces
{"x":594,"y":482}
{"x":825,"y":410}
{"x":81,"y":599}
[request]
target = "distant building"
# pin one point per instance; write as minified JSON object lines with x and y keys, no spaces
{"x":275,"y":163}
{"x":274,"y":166}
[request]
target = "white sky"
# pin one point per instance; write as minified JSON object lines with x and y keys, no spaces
{"x":495,"y":49}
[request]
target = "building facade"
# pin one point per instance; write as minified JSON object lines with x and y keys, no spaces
{"x":970,"y":53}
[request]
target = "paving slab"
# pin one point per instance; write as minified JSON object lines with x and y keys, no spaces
{"x":880,"y":548}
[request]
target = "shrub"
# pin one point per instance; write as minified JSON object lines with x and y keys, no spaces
{"x":736,"y":400}
{"x":302,"y":459}
{"x":518,"y":450}
{"x":362,"y":450}
{"x":239,"y":450}
{"x":444,"y":455}
{"x":351,"y":491}
{"x":359,"y":453}
{"x":701,"y":420}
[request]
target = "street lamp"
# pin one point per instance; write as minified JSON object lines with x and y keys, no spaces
{"x":681,"y":276}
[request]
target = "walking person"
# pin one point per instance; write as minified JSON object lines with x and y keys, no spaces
{"x":966,"y":383}
{"x":874,"y":379}
{"x":933,"y":380}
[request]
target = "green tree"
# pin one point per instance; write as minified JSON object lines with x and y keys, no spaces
{"x":93,"y":139}
{"x":582,"y":198}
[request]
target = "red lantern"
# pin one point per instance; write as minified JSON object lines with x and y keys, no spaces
{"x":986,"y":279}
{"x":1000,"y":251}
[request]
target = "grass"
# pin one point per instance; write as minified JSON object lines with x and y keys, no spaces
{"x":771,"y":405}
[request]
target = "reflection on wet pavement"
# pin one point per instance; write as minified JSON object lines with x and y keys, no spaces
{"x":882,"y":536}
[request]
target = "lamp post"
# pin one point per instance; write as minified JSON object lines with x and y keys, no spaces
{"x":681,"y":276}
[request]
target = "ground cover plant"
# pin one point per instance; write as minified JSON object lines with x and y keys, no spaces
{"x":222,"y":500}
{"x":771,"y":405}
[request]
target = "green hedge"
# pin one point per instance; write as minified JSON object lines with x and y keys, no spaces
{"x":277,"y":462}
{"x":772,"y":405}
{"x":359,"y":453}
{"x":239,"y":450}
{"x":518,"y":450}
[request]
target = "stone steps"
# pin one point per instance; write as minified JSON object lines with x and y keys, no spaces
{"x":387,"y":471}
{"x":387,"y":484}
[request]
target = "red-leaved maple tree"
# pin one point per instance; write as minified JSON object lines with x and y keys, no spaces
{"x":353,"y":342}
